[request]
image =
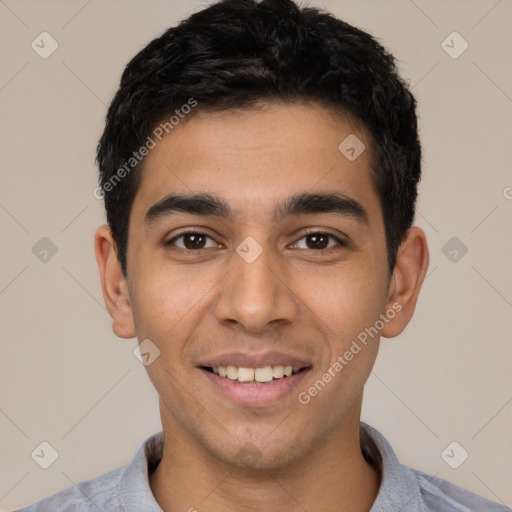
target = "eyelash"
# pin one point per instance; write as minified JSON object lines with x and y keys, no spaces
{"x":341,"y":243}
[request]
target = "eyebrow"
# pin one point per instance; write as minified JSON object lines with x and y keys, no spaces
{"x":299,"y":204}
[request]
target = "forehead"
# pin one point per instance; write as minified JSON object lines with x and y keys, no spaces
{"x":254,"y":158}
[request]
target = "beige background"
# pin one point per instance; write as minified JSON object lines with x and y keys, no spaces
{"x":67,"y":380}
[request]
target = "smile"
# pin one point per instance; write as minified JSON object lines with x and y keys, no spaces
{"x":255,"y":387}
{"x":261,"y":375}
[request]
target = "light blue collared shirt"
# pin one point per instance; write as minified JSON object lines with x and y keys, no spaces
{"x":402,"y":489}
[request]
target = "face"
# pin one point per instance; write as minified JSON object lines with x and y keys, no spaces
{"x":254,"y":242}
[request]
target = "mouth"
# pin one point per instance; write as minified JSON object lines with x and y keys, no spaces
{"x":255,"y":376}
{"x":258,"y":384}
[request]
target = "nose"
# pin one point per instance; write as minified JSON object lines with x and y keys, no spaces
{"x":255,"y":294}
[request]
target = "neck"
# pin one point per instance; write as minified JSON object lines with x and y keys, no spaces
{"x":332,"y":476}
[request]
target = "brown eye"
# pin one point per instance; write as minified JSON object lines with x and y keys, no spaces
{"x":194,"y":241}
{"x":319,"y":241}
{"x":191,"y":241}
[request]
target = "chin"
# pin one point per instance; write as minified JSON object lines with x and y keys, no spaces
{"x":262,"y":454}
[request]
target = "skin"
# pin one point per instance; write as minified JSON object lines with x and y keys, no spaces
{"x":295,"y":298}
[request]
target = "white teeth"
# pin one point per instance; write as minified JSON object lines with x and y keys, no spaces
{"x":264,"y":374}
{"x":261,"y":375}
{"x":232,"y":372}
{"x":278,"y":371}
{"x":245,"y":374}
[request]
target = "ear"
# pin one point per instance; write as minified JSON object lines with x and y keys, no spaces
{"x":406,"y":280}
{"x":113,"y":284}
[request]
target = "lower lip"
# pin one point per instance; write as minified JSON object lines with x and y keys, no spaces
{"x":255,"y":394}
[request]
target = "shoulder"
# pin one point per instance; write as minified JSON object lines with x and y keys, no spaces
{"x":404,"y":488}
{"x":440,"y":495}
{"x":99,"y":493}
{"x":122,"y":489}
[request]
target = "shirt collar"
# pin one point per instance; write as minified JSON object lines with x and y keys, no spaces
{"x":399,"y":489}
{"x":134,"y":490}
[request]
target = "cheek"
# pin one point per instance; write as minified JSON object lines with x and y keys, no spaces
{"x":346,"y":299}
{"x":349,"y":309}
{"x":169,"y":301}
{"x":160,"y":300}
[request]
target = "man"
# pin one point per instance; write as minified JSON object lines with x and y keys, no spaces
{"x":259,"y":168}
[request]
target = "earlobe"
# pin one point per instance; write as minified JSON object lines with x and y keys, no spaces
{"x":113,"y":284}
{"x":408,"y":276}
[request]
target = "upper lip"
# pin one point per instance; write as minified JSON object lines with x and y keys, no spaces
{"x":255,"y":360}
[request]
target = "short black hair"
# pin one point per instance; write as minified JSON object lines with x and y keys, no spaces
{"x":237,"y":53}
